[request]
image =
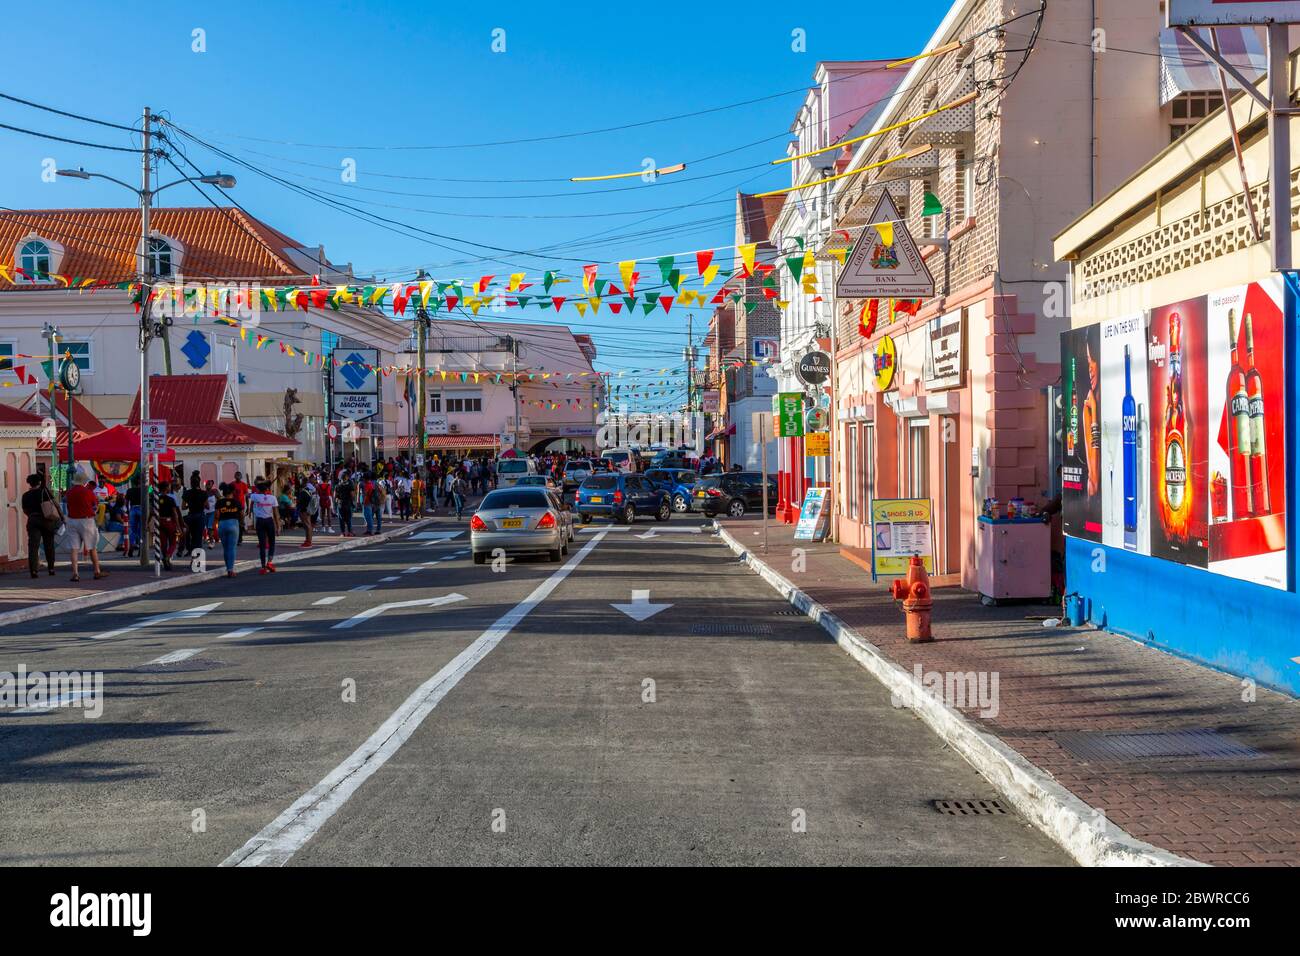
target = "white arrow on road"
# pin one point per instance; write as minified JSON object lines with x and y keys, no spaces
{"x":188,"y":614}
{"x":378,"y":609}
{"x":649,"y":534}
{"x":640,"y":609}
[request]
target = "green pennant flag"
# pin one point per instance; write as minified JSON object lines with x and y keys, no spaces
{"x":648,"y":307}
{"x":630,"y":302}
{"x":735,"y":297}
{"x":932,"y":205}
{"x":548,"y":280}
{"x":48,"y":368}
{"x":795,"y":265}
{"x":600,"y":286}
{"x":799,"y":239}
{"x":665,"y":267}
{"x":442,"y":288}
{"x":544,"y":304}
{"x":438,"y":303}
{"x":675,"y":280}
{"x":523,"y":300}
{"x":750,"y":307}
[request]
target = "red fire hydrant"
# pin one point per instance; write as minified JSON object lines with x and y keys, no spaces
{"x":914,"y":592}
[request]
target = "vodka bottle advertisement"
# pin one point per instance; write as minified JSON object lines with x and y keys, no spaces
{"x":1125,"y":439}
{"x":1247,"y":446}
{"x":1083,"y":464}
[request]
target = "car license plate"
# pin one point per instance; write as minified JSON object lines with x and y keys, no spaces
{"x":596,"y":499}
{"x":512,"y":523}
{"x":699,"y":494}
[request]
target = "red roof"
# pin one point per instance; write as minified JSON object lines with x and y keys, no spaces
{"x":182,"y":399}
{"x":83,"y":419}
{"x":191,"y":407}
{"x":219,"y":243}
{"x":449,"y":442}
{"x":9,"y":415}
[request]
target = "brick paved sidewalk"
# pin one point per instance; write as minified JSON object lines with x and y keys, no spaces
{"x":18,"y":589}
{"x":1061,"y":689}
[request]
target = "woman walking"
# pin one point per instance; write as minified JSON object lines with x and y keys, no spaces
{"x":229,"y":515}
{"x":43,"y":519}
{"x":266,"y":521}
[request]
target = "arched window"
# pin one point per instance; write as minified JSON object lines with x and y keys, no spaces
{"x":160,"y":258}
{"x":34,"y":258}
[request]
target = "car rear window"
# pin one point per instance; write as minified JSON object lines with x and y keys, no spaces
{"x":601,"y":482}
{"x":712,"y":481}
{"x":686,"y":477}
{"x":615,"y":456}
{"x":512,"y":467}
{"x":575,"y":465}
{"x":524,"y":497}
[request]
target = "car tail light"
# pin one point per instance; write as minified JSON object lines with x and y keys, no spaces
{"x":476,"y":524}
{"x":714,"y":492}
{"x":618,"y":496}
{"x":548,"y":521}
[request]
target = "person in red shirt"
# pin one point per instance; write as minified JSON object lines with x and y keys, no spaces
{"x":82,"y":530}
{"x":239,"y":488}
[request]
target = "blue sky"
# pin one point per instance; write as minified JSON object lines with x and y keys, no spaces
{"x":360,"y":79}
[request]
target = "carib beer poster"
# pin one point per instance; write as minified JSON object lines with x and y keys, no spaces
{"x":1174,"y":438}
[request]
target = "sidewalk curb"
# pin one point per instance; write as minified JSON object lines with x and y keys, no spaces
{"x":37,"y":611}
{"x":1035,"y":794}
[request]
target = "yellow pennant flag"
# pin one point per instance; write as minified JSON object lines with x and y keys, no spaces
{"x":839,"y":254}
{"x":516,"y":279}
{"x":709,"y":275}
{"x":475,"y":303}
{"x":595,"y":304}
{"x":426,"y":288}
{"x":747,"y":255}
{"x":625,"y":270}
{"x":378,"y":294}
{"x":782,"y":304}
{"x":886,"y":231}
{"x":582,"y":307}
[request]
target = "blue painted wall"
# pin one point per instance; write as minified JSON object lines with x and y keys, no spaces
{"x":1236,"y":626}
{"x":1233,"y":625}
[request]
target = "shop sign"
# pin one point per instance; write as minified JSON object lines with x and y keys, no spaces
{"x":884,"y":263}
{"x":885,"y":363}
{"x":944,"y":359}
{"x":814,"y":368}
{"x":817,"y":443}
{"x":901,"y":528}
{"x":710,"y":402}
{"x":788,"y":410}
{"x":814,"y":515}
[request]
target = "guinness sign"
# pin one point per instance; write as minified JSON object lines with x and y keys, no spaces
{"x":814,"y":368}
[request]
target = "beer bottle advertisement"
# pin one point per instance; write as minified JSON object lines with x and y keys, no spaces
{"x":1247,"y":535}
{"x":1179,"y":432}
{"x":1125,"y":437}
{"x":1082,"y":467}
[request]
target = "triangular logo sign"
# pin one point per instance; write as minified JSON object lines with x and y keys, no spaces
{"x":884,"y":266}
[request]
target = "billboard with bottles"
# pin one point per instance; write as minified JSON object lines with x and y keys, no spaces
{"x":1173,"y":438}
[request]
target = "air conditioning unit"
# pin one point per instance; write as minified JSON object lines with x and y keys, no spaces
{"x":453,"y":429}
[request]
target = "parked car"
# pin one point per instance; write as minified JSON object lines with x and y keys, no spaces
{"x":674,"y":459}
{"x":620,"y":459}
{"x":510,"y":470}
{"x":576,"y":471}
{"x":678,"y":482}
{"x":601,"y":465}
{"x":734,"y":493}
{"x":621,"y":497}
{"x":518,"y":521}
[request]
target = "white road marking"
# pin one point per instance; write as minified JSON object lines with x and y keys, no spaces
{"x":283,"y":616}
{"x":363,"y":587}
{"x":284,"y":836}
{"x":593,"y":529}
{"x":332,"y":599}
{"x":391,"y":577}
{"x":412,"y":570}
{"x":175,"y":657}
{"x":188,"y":614}
{"x":435,"y":536}
{"x":679,"y":528}
{"x":378,"y":609}
{"x":640,"y":609}
{"x":241,"y":632}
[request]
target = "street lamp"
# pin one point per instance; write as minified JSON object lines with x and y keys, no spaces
{"x":148,"y":329}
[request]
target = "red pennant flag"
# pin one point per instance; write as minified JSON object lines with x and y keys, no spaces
{"x":451,"y":302}
{"x":870,"y":316}
{"x":667,"y":302}
{"x":633,"y":279}
{"x":588,"y":276}
{"x":616,"y":307}
{"x":771,"y":293}
{"x":717,"y":298}
{"x":483,"y":284}
{"x":702,"y":260}
{"x":613,"y":290}
{"x":557,"y":301}
{"x":320,"y":296}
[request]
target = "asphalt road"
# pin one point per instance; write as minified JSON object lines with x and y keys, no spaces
{"x":524,"y":719}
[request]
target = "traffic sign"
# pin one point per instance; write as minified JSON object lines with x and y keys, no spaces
{"x":153,"y":436}
{"x":884,"y":263}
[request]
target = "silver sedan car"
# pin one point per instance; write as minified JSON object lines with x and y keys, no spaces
{"x":520,"y":520}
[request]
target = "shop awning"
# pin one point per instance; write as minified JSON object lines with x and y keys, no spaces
{"x":118,"y":443}
{"x":1185,"y":69}
{"x":721,"y":432}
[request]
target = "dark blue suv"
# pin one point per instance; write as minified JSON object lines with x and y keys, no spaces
{"x":621,"y":497}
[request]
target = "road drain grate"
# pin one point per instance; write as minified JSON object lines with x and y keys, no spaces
{"x":969,"y":808}
{"x":1203,"y":744}
{"x":731,"y":630}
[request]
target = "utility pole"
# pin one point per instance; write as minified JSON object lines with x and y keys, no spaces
{"x":514,"y":387}
{"x":421,"y":333}
{"x":690,"y":364}
{"x":52,"y":337}
{"x":148,"y":506}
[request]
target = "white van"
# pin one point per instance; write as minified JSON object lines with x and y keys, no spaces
{"x":510,"y":470}
{"x":620,"y":459}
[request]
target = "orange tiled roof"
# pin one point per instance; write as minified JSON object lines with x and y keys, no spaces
{"x":222,"y":244}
